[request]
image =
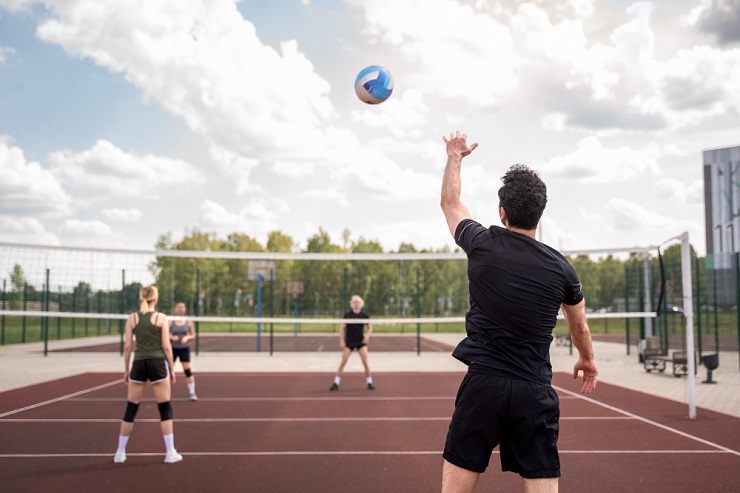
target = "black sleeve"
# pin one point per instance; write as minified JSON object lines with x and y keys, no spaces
{"x":469,"y":234}
{"x":573,"y":288}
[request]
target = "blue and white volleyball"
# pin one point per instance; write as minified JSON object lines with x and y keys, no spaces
{"x":374,"y":84}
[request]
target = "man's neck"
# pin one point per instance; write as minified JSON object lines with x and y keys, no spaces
{"x":527,"y":232}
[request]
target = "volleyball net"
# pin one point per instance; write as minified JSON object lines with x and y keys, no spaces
{"x":52,"y":293}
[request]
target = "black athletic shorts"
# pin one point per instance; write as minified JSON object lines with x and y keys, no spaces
{"x":355,"y":345}
{"x":181,"y":352}
{"x":520,"y":416}
{"x":153,"y":369}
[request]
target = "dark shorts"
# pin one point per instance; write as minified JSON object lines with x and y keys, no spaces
{"x":181,"y":352}
{"x":520,"y":416}
{"x":153,"y":369}
{"x":354,"y":345}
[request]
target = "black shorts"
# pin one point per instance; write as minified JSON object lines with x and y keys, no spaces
{"x":181,"y":352}
{"x":153,"y":369}
{"x":520,"y":416}
{"x":352,"y":345}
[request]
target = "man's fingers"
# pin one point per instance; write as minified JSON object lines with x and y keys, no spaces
{"x":472,"y":146}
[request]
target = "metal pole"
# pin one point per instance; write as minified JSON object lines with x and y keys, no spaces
{"x":46,"y":319}
{"x":295,"y":314}
{"x":259,"y":310}
{"x":121,"y":307}
{"x":698,"y":306}
{"x":197,"y":310}
{"x":648,"y":301}
{"x":418,"y":314}
{"x":272,"y":283}
{"x":688,"y":310}
{"x":627,"y":307}
{"x":2,"y":321}
{"x":737,"y":303}
{"x":25,"y":296}
{"x":59,"y":309}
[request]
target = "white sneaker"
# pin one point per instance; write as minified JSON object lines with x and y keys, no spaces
{"x":172,"y":457}
{"x":193,"y":397}
{"x":120,"y":457}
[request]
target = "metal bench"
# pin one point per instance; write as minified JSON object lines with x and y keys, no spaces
{"x":655,"y":360}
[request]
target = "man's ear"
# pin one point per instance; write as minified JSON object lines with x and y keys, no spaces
{"x":503,"y":216}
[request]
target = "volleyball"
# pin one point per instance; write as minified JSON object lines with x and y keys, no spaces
{"x":374,"y":84}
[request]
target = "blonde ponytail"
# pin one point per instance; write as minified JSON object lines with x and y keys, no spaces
{"x":148,"y":294}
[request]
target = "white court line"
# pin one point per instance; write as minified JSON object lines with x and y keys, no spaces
{"x":649,"y":421}
{"x":343,"y":452}
{"x":51,"y":401}
{"x":278,"y":399}
{"x":270,"y":420}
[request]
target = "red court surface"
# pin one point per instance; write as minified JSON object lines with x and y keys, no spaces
{"x":268,"y":432}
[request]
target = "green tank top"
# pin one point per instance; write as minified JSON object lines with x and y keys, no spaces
{"x":148,"y":338}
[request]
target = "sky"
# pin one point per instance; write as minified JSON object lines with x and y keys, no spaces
{"x":124,"y":120}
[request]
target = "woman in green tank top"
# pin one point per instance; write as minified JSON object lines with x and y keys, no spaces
{"x":152,"y":362}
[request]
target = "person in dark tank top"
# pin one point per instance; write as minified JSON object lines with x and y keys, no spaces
{"x":181,"y":333}
{"x":152,"y":362}
{"x":352,"y":336}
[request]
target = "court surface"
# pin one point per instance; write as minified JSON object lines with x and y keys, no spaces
{"x":285,"y":432}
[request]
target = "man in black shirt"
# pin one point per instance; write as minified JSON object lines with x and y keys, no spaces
{"x":352,"y":336}
{"x":517,"y":285}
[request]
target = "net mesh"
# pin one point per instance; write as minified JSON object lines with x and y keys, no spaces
{"x":74,"y":292}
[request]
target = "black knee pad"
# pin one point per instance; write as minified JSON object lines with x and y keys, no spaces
{"x":188,"y":373}
{"x":165,"y":410}
{"x":131,"y":409}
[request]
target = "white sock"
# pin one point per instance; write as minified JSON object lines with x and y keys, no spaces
{"x":122,"y":441}
{"x":191,"y":388}
{"x":169,"y":442}
{"x":337,"y":379}
{"x":369,"y":379}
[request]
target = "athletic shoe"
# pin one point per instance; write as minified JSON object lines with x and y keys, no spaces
{"x":172,"y":457}
{"x":370,"y":386}
{"x":334,"y":386}
{"x":193,"y":397}
{"x":120,"y":457}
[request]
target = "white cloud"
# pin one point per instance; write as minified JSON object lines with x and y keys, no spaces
{"x":198,"y":60}
{"x":26,"y":187}
{"x":256,"y":219}
{"x":105,"y":170}
{"x":5,"y":51}
{"x":332,"y":194}
{"x":591,"y":162}
{"x":15,"y":229}
{"x":628,"y":215}
{"x":90,"y":233}
{"x":435,"y":37}
{"x":117,"y":214}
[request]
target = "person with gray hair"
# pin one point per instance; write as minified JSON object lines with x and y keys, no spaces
{"x":352,"y":336}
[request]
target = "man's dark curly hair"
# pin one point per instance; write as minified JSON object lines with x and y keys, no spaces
{"x":523,"y":196}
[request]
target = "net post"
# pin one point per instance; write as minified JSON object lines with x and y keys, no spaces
{"x":46,"y":319}
{"x":59,"y":309}
{"x":688,"y":310}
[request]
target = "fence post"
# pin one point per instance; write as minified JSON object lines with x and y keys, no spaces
{"x":272,"y":312}
{"x":59,"y":319}
{"x":737,"y":304}
{"x":627,"y":306}
{"x":23,"y":322}
{"x":122,"y":308}
{"x":698,"y":305}
{"x":2,"y":322}
{"x":197,"y":310}
{"x":418,"y":314}
{"x":47,"y":292}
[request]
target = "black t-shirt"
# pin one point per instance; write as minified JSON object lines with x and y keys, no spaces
{"x":517,"y":285}
{"x":354,"y":333}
